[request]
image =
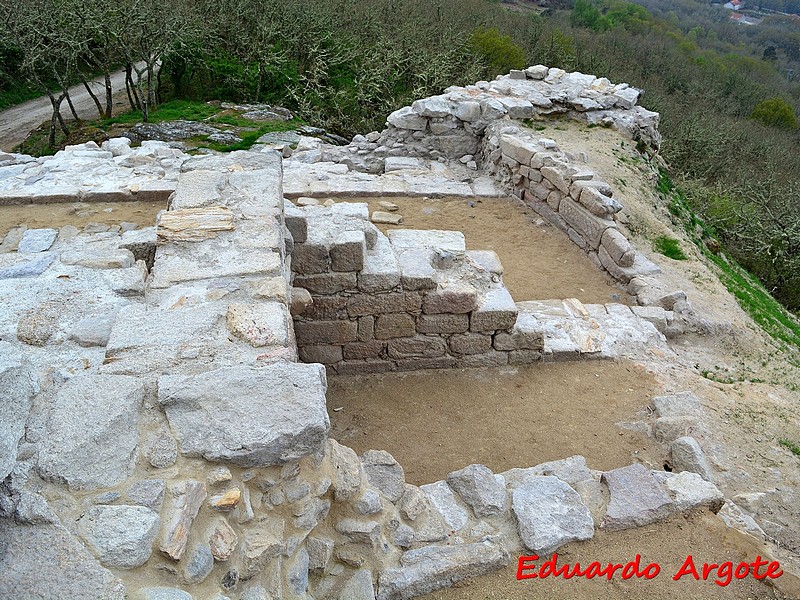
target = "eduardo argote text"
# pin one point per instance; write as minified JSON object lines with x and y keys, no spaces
{"x":722,"y":574}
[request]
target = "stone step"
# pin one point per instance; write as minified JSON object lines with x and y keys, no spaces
{"x":381,"y":270}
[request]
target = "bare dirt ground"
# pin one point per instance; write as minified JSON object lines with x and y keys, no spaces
{"x":540,"y":262}
{"x":78,"y":214}
{"x":18,"y":121}
{"x":503,"y":418}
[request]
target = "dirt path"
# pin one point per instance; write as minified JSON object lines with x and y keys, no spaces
{"x":18,"y":121}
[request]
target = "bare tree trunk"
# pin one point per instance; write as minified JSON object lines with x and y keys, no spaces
{"x":133,"y":98}
{"x":109,"y":93}
{"x":158,"y":87}
{"x":71,"y":106}
{"x":92,"y":95}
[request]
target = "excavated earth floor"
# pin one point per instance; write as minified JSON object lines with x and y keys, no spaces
{"x":540,"y":262}
{"x":78,"y":214}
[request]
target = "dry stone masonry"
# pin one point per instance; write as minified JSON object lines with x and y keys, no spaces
{"x":162,"y":390}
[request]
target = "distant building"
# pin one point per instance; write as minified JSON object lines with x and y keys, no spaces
{"x":734,"y":5}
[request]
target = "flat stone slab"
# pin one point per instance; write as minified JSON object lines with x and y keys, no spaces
{"x":18,"y":385}
{"x":636,"y":498}
{"x":433,"y":239}
{"x":435,"y":567}
{"x":93,"y":431}
{"x":37,"y":240}
{"x":247,"y":416}
{"x":120,"y":536}
{"x":550,"y":514}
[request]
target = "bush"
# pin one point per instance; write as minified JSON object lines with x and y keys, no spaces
{"x":775,"y":112}
{"x":669,"y":247}
{"x":499,"y":51}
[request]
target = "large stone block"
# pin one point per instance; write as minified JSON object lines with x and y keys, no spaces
{"x":439,"y":323}
{"x":381,"y":271}
{"x":120,"y":536}
{"x":327,"y":283}
{"x":46,"y":562}
{"x":496,"y":312}
{"x":18,"y":385}
{"x":636,"y":498}
{"x":432,"y":239}
{"x":618,"y":248}
{"x":309,"y":258}
{"x":527,"y":334}
{"x":93,"y":431}
{"x":248,"y":416}
{"x":384,"y":473}
{"x":405,"y":118}
{"x":585,"y":223}
{"x":478,"y":487}
{"x":361,"y":305}
{"x":261,"y":324}
{"x":419,"y":346}
{"x":348,"y":250}
{"x":397,"y":325}
{"x":457,"y":298}
{"x":550,"y":514}
{"x":470,"y":343}
{"x":519,"y":149}
{"x":434,"y":567}
{"x":360,"y":350}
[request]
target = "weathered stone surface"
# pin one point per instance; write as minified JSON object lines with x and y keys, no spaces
{"x":442,"y":323}
{"x":161,"y":449}
{"x":226,"y":501}
{"x":27,"y":268}
{"x":398,"y":325}
{"x":677,"y":405}
{"x":690,"y":492}
{"x":222,"y":539}
{"x":327,"y":355}
{"x":36,"y":240}
{"x":478,"y":487}
{"x":470,"y":343}
{"x":194,"y":224}
{"x":149,"y":493}
{"x":496,"y":311}
{"x":120,"y":536}
{"x":444,"y":500}
{"x":93,"y":330}
{"x":618,"y":247}
{"x":326,"y":332}
{"x":527,"y":334}
{"x":687,"y":455}
{"x":301,"y":301}
{"x":320,"y":551}
{"x":550,"y":514}
{"x":381,"y":271}
{"x":162,"y":593}
{"x":199,"y":564}
{"x":405,"y":118}
{"x":384,"y":473}
{"x":261,"y":324}
{"x":413,"y":503}
{"x":348,"y":250}
{"x":359,"y":532}
{"x":434,"y":567}
{"x":185,"y":498}
{"x":93,"y":431}
{"x":413,"y":239}
{"x":636,"y":498}
{"x":387,"y":218}
{"x":18,"y":385}
{"x":45,"y":562}
{"x":585,"y":223}
{"x":260,"y":544}
{"x":369,"y":503}
{"x":358,"y":587}
{"x":422,"y":346}
{"x":249,"y":417}
{"x":520,"y":150}
{"x":297,"y":574}
{"x":668,"y":429}
{"x":457,"y":298}
{"x":374,"y":304}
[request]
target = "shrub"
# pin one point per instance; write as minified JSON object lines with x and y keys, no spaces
{"x":775,"y":112}
{"x":669,"y":247}
{"x":499,"y":51}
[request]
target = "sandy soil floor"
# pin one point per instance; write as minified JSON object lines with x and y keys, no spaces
{"x":540,"y":262}
{"x":503,"y":418}
{"x":702,"y":535}
{"x":78,"y":214}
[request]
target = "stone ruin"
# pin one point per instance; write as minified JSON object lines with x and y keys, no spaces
{"x":165,"y":431}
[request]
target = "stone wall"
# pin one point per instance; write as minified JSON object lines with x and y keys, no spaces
{"x":412,"y":300}
{"x":570,"y":197}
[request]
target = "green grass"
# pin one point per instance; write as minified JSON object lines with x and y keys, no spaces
{"x":751,"y":295}
{"x":790,"y":446}
{"x":669,"y":247}
{"x":250,"y":138}
{"x":17,"y":95}
{"x":169,"y":111}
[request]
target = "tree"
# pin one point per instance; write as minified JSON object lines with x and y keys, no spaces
{"x":499,"y":51}
{"x":775,"y":112}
